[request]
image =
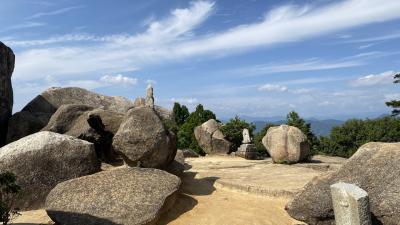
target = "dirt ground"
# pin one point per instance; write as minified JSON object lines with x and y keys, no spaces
{"x":231,"y":191}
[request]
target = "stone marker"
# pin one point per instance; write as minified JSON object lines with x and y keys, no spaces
{"x":350,"y":204}
{"x":247,"y":150}
{"x":149,"y":97}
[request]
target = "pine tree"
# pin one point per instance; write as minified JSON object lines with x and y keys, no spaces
{"x":395,"y":104}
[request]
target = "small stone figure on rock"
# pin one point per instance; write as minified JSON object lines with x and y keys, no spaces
{"x":149,"y":97}
{"x":247,"y":150}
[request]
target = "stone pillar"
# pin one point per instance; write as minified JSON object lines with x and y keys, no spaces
{"x":149,"y":97}
{"x":350,"y":204}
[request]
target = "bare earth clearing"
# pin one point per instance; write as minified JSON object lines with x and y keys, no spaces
{"x":231,"y":190}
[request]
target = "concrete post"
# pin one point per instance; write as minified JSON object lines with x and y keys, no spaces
{"x":350,"y":204}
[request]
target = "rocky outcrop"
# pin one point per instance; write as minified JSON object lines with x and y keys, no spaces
{"x":42,"y":160}
{"x":120,"y":196}
{"x":37,"y":113}
{"x":97,"y":126}
{"x":211,"y":139}
{"x":286,"y":144}
{"x":375,"y":168}
{"x":7,"y":60}
{"x":143,"y":140}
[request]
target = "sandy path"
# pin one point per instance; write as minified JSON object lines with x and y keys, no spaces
{"x":200,"y":203}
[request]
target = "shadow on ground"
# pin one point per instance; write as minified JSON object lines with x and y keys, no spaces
{"x":191,"y":186}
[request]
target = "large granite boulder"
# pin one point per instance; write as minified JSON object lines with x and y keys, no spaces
{"x":143,"y":140}
{"x":286,"y":144}
{"x":97,"y":126}
{"x":211,"y":139}
{"x":126,"y":196}
{"x":37,"y":113}
{"x":375,"y":168}
{"x":42,"y":160}
{"x":7,"y":60}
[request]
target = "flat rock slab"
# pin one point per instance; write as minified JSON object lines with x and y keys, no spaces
{"x":262,"y":177}
{"x":123,"y":196}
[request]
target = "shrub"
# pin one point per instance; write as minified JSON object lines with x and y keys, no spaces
{"x":8,"y":194}
{"x":344,"y":140}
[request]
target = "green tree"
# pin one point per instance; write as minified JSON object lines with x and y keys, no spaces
{"x":180,"y":113}
{"x":186,"y":138}
{"x":345,"y":140}
{"x":395,"y":104}
{"x":258,"y":139}
{"x":8,"y":194}
{"x":233,"y":131}
{"x":293,"y":119}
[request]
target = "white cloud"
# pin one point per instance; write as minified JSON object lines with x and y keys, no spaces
{"x":23,"y":26}
{"x":118,"y":80}
{"x":174,"y":38}
{"x":302,"y":91}
{"x":391,"y":36}
{"x":151,"y":82}
{"x":273,"y":88}
{"x":375,"y":79}
{"x":55,"y":12}
{"x":188,"y":101}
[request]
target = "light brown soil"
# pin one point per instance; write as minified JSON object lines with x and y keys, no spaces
{"x":231,"y":191}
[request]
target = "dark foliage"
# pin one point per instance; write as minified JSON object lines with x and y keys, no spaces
{"x":233,"y":131}
{"x":8,"y":194}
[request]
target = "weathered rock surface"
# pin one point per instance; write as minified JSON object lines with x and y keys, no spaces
{"x":247,"y":151}
{"x":211,"y":139}
{"x":286,"y":144}
{"x":189,"y":153}
{"x":46,"y":104}
{"x":375,"y":168}
{"x":143,"y":140}
{"x":97,"y":126}
{"x":42,"y":160}
{"x":126,"y":196}
{"x":177,"y":167}
{"x":7,"y":60}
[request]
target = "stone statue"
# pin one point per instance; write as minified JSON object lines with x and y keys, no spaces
{"x":246,"y":137}
{"x":149,"y":97}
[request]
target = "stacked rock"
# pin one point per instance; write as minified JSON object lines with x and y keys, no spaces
{"x":247,"y":150}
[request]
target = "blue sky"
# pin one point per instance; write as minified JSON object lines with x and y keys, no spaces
{"x":322,"y":58}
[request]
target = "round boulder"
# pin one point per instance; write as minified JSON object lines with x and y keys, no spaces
{"x":143,"y":140}
{"x":286,"y":144}
{"x":42,"y":160}
{"x":211,"y":139}
{"x":120,"y":196}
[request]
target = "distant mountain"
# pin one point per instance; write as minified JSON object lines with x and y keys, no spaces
{"x":319,"y":127}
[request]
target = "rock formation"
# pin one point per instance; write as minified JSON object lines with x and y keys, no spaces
{"x":42,"y":160}
{"x":37,"y":113}
{"x":139,"y":102}
{"x":97,"y":126}
{"x":211,"y":139}
{"x":286,"y":144}
{"x":177,"y":167}
{"x":120,"y":196}
{"x":189,"y":153}
{"x":143,"y":140}
{"x":374,"y":168}
{"x":7,"y":60}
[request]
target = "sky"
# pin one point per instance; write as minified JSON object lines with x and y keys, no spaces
{"x":253,"y":58}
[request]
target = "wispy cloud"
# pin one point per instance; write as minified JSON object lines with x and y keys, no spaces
{"x":375,"y":79}
{"x":273,"y":88}
{"x":174,"y":37}
{"x":55,"y":12}
{"x":391,"y":36}
{"x":23,"y":26}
